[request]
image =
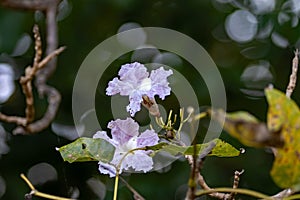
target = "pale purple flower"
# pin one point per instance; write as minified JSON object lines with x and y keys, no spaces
{"x":135,"y":82}
{"x":125,"y":137}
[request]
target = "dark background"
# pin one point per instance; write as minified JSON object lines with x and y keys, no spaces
{"x":85,"y":24}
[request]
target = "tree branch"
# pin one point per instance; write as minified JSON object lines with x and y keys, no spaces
{"x":42,"y":70}
{"x":293,"y":78}
{"x":35,"y":192}
{"x":52,"y":38}
{"x":27,"y":4}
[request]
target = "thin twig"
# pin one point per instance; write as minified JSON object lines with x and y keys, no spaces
{"x":203,"y":184}
{"x":194,"y":169}
{"x":54,"y":99}
{"x":13,"y":119}
{"x":293,"y":78}
{"x":252,"y":193}
{"x":27,"y":4}
{"x":35,"y":192}
{"x":285,"y":193}
{"x":236,"y":181}
{"x":25,"y":81}
{"x":136,"y":195}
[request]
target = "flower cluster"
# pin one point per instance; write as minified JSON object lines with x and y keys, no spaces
{"x":134,"y":81}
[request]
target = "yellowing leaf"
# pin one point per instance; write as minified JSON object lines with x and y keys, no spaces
{"x":282,"y":131}
{"x":284,"y":116}
{"x":247,"y":129}
{"x":219,"y":148}
{"x":87,"y":149}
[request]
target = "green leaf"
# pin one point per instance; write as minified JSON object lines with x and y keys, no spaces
{"x":247,"y":129}
{"x":223,"y":149}
{"x":284,"y":117}
{"x":220,"y":149}
{"x":87,"y":149}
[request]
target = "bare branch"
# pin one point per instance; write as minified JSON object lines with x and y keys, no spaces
{"x":25,"y":81}
{"x":50,"y":56}
{"x":27,"y":4}
{"x":42,"y":70}
{"x":285,"y":193}
{"x":293,"y":78}
{"x":203,"y":184}
{"x":236,"y":181}
{"x":52,"y":38}
{"x":54,"y":99}
{"x":136,"y":195}
{"x":27,"y":90}
{"x":13,"y":119}
{"x":37,"y":46}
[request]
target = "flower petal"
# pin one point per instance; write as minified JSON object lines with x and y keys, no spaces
{"x":103,"y":135}
{"x":123,"y":130}
{"x":160,"y":84}
{"x":135,"y":100}
{"x":147,"y":138}
{"x":116,"y":86}
{"x":139,"y":161}
{"x":131,"y":77}
{"x":133,"y":72}
{"x":106,"y":168}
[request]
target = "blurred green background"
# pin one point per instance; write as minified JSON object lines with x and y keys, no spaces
{"x":251,"y":42}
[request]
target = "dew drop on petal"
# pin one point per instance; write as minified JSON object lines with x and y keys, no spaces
{"x":241,"y":26}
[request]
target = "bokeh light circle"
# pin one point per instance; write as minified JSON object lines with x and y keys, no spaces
{"x":241,"y":26}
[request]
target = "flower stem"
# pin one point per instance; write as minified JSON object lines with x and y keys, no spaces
{"x":41,"y":194}
{"x":116,"y":186}
{"x":295,"y":196}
